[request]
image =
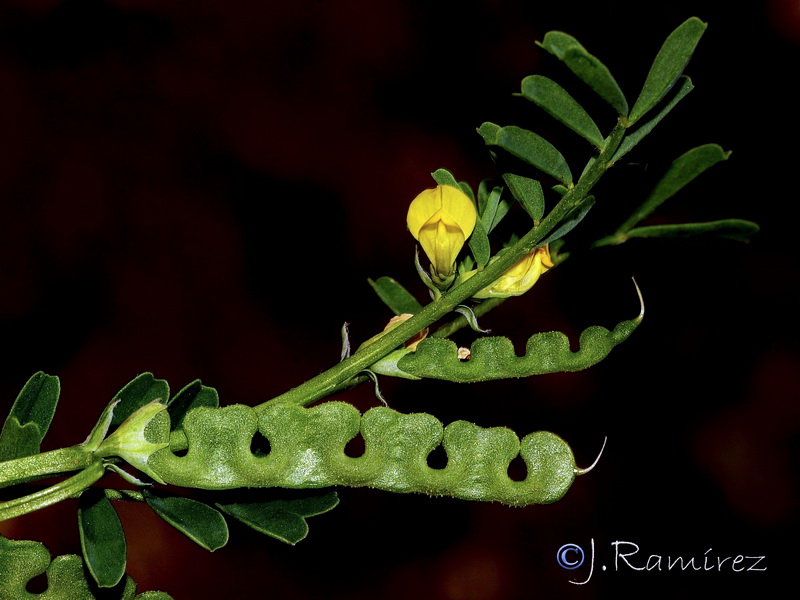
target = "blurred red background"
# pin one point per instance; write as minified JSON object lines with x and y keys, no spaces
{"x":201,"y":189}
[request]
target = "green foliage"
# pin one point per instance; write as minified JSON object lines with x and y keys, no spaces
{"x":529,"y":147}
{"x":139,"y":392}
{"x":586,"y":67}
{"x":283,"y":519}
{"x":395,"y":296}
{"x":571,"y":220}
{"x":30,"y":417}
{"x":192,"y":396}
{"x":479,"y":244}
{"x":102,"y":538}
{"x":668,"y":66}
{"x":445,"y":177}
{"x":528,"y":193}
{"x":198,"y":521}
{"x":492,"y":207}
{"x":732,"y":229}
{"x":557,"y":102}
{"x":67,"y":488}
{"x":636,"y":134}
{"x":682,"y":171}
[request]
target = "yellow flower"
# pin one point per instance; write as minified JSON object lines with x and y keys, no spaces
{"x":520,"y":277}
{"x":441,"y":220}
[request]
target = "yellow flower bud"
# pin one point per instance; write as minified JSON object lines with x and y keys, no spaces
{"x":520,"y":277}
{"x":442,"y":219}
{"x":410,"y":343}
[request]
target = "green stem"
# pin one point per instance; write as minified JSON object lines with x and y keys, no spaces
{"x":53,"y":494}
{"x":336,"y":377}
{"x":54,"y":462}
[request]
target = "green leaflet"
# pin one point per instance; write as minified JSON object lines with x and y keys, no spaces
{"x":557,"y":102}
{"x":191,"y":396}
{"x":283,"y":519}
{"x":307,"y":450}
{"x":142,"y":390}
{"x":479,"y":244}
{"x":445,"y":177}
{"x":492,"y":208}
{"x":102,"y":538}
{"x":733,"y":229}
{"x":30,"y":417}
{"x":680,"y":173}
{"x":21,"y":561}
{"x":571,"y":220}
{"x":528,"y":192}
{"x":395,"y":296}
{"x":201,"y":523}
{"x":586,"y":67}
{"x":641,"y":130}
{"x":494,"y":357}
{"x":529,"y":147}
{"x":668,"y":65}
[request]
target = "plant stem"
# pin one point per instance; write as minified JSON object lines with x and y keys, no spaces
{"x":45,"y":464}
{"x":53,"y":494}
{"x":334,"y":378}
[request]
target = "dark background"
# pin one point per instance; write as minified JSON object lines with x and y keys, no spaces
{"x":201,"y":189}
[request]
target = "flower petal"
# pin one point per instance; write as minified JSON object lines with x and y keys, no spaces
{"x":521,"y":276}
{"x":442,"y":239}
{"x":452,"y":201}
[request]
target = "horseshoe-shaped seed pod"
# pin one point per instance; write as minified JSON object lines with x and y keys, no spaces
{"x":307,"y":450}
